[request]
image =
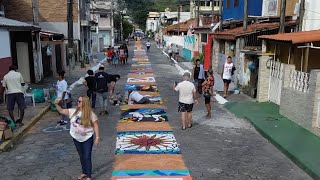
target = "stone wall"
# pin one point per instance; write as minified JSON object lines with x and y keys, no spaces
{"x":296,"y":106}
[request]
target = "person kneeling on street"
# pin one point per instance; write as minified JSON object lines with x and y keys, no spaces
{"x":136,"y":98}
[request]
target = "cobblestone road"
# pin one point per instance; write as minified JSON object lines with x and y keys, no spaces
{"x":223,"y":147}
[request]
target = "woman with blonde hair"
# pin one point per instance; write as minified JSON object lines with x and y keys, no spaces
{"x":84,"y":123}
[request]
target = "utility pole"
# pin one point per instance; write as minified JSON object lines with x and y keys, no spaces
{"x":179,"y":8}
{"x":282,"y":16}
{"x":220,"y":15}
{"x":35,"y":12}
{"x":301,"y":14}
{"x":121,"y":27}
{"x":198,"y":13}
{"x":37,"y":45}
{"x":70,"y":33}
{"x":245,"y":15}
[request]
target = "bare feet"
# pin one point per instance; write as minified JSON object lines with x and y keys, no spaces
{"x":208,"y":115}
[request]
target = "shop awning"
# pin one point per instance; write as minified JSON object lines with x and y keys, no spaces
{"x":295,"y":37}
{"x":11,"y":24}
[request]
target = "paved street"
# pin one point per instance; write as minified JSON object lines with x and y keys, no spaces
{"x":224,"y":147}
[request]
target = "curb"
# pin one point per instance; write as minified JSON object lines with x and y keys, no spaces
{"x":9,"y":143}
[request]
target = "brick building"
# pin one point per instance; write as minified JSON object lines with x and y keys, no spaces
{"x":52,"y":17}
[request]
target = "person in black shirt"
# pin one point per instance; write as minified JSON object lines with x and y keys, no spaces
{"x":102,"y":79}
{"x":113,"y":79}
{"x":92,"y":87}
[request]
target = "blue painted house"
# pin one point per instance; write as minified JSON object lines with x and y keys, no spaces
{"x":233,"y":9}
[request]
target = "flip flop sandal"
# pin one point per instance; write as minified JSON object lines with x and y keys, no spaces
{"x":82,"y":176}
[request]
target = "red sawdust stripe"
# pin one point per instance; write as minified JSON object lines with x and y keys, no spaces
{"x":149,"y":161}
{"x":140,"y":106}
{"x":143,"y":126}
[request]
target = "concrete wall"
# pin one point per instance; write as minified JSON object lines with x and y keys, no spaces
{"x":301,"y":107}
{"x":61,"y":27}
{"x":215,"y":55}
{"x":105,"y":23}
{"x":311,"y":16}
{"x":152,"y":25}
{"x":254,"y":9}
{"x":5,"y":50}
{"x":106,"y":35}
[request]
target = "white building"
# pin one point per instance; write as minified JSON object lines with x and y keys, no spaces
{"x":102,"y":13}
{"x":155,"y":18}
{"x":311,"y":16}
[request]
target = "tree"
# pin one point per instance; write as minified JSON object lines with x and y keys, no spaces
{"x":138,"y":9}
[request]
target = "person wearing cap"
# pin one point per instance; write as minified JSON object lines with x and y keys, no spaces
{"x":187,"y":97}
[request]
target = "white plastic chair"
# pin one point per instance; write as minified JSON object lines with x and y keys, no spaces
{"x":24,"y":89}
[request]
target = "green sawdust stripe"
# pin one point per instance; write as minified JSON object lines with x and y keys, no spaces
{"x":300,"y":145}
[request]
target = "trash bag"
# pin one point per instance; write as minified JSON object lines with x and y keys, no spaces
{"x":38,"y":95}
{"x":52,"y":106}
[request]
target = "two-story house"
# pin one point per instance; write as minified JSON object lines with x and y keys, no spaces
{"x":102,"y":14}
{"x":52,"y":17}
{"x":19,"y":47}
{"x":243,"y":44}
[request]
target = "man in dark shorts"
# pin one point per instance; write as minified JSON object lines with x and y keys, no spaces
{"x":13,"y":82}
{"x":187,"y":97}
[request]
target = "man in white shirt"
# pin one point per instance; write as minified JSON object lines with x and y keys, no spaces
{"x":187,"y":97}
{"x":61,"y":89}
{"x":148,"y":46}
{"x":13,"y":82}
{"x":137,"y":98}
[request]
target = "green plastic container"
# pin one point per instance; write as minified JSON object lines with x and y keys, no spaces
{"x":52,"y":106}
{"x":38,"y":95}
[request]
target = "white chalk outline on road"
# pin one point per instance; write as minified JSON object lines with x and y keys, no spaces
{"x":219,"y":98}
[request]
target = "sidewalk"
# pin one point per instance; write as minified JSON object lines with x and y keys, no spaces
{"x":300,"y":145}
{"x":34,"y":114}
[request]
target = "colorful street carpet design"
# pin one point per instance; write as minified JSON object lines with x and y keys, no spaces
{"x":141,"y":87}
{"x":144,"y":115}
{"x":153,"y":142}
{"x":146,"y":148}
{"x":145,"y":79}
